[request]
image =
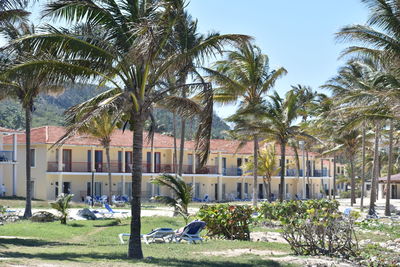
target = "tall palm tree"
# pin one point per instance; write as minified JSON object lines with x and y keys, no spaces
{"x":279,"y":125}
{"x":245,"y":77}
{"x":13,"y":10}
{"x":23,"y":84}
{"x":125,"y":44}
{"x":101,"y":127}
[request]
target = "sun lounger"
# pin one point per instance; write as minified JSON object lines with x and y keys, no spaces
{"x":158,"y":235}
{"x":191,"y":232}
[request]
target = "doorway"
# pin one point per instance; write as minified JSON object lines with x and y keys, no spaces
{"x":239,"y":190}
{"x":260,"y":191}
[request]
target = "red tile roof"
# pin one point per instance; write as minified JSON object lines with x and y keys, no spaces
{"x":6,"y":130}
{"x":394,"y":178}
{"x":51,"y":134}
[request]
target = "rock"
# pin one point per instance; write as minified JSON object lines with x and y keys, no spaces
{"x":87,"y":214}
{"x":43,"y":216}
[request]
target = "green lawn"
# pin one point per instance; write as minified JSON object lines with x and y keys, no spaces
{"x":96,"y":242}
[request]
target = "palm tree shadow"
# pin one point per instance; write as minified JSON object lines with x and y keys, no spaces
{"x":32,"y":242}
{"x":174,"y":262}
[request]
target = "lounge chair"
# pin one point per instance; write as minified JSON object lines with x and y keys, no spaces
{"x":111,"y":212}
{"x":191,"y":232}
{"x":158,"y":235}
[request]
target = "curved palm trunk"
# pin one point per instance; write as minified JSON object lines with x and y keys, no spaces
{"x":388,"y":184}
{"x":307,"y":170}
{"x":182,"y":146}
{"x":266,"y":186}
{"x":135,"y":246}
{"x":255,"y":170}
{"x":371,"y":210}
{"x":363,"y":169}
{"x":109,"y":173}
{"x":282,"y":182}
{"x":353,"y":182}
{"x":28,"y":203}
{"x":175,"y":161}
{"x":334,"y":177}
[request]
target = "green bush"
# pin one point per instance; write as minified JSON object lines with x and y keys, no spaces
{"x":227,"y":221}
{"x":347,"y":194}
{"x":314,"y":227}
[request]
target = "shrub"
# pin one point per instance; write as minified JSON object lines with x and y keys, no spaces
{"x":314,"y":227}
{"x":62,"y":206}
{"x":347,"y":194}
{"x":227,"y":221}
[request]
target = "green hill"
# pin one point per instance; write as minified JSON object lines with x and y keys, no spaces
{"x":49,"y":111}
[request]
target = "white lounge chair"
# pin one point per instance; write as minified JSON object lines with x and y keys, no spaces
{"x":158,"y":235}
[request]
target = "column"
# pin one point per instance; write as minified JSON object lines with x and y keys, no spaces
{"x":243,"y":196}
{"x":152,"y":169}
{"x":60,"y":183}
{"x":123,"y":184}
{"x":219,"y":163}
{"x":194,"y":161}
{"x":93,"y":159}
{"x":59,"y":159}
{"x":380,"y":190}
{"x":219,"y":188}
{"x":194,"y":186}
{"x":123,"y":163}
{"x":14,"y":166}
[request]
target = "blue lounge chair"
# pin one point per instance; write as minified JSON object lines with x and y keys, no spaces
{"x":191,"y":232}
{"x":111,"y":212}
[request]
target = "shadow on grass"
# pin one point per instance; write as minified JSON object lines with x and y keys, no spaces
{"x":32,"y":242}
{"x":75,"y":257}
{"x":75,"y":225}
{"x":111,"y":223}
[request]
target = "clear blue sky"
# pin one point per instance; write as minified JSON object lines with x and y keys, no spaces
{"x":295,"y":34}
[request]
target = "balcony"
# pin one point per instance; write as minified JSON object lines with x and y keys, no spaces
{"x":116,"y":167}
{"x":311,"y":173}
{"x":232,"y":171}
{"x":6,"y":156}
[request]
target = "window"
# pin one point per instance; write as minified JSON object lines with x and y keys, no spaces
{"x":119,"y":161}
{"x":89,"y":160}
{"x":33,"y":158}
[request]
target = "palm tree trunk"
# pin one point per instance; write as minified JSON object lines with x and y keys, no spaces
{"x":175,"y":161}
{"x":388,"y":184}
{"x":353,"y":182}
{"x":282,"y":182}
{"x":371,"y":210}
{"x":109,"y":173}
{"x":266,"y":187}
{"x":255,"y":170}
{"x":28,"y":203}
{"x":182,"y":146}
{"x":135,"y":245}
{"x":334,"y":177}
{"x":363,"y":169}
{"x":307,"y":169}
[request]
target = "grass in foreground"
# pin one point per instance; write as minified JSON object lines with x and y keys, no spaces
{"x":95,"y":242}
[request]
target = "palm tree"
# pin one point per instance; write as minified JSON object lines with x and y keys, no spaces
{"x":23,"y":84}
{"x":101,"y":127}
{"x":279,"y":125}
{"x":182,"y":193}
{"x":267,"y":167}
{"x":126,"y":44}
{"x":245,"y":77}
{"x":13,"y":10}
{"x":379,"y":38}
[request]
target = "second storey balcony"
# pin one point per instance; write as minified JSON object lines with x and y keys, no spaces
{"x":118,"y":167}
{"x":6,"y":156}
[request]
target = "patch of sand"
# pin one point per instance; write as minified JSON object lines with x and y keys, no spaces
{"x":241,"y":251}
{"x":267,"y":237}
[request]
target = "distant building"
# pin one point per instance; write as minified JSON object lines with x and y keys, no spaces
{"x":68,"y":168}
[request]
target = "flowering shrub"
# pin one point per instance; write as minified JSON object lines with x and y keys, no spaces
{"x":314,"y":227}
{"x":227,"y":221}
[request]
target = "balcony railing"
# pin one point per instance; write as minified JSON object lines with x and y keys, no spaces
{"x":311,"y":173}
{"x":6,"y":156}
{"x":232,"y":171}
{"x":116,"y":167}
